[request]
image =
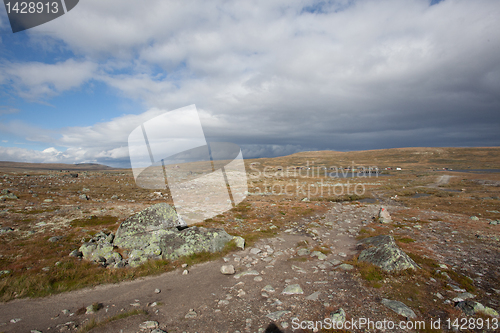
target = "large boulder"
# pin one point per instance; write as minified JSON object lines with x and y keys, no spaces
{"x":158,"y":232}
{"x":382,"y":251}
{"x":143,"y":231}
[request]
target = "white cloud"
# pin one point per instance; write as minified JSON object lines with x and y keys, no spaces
{"x":32,"y":80}
{"x":275,"y":78}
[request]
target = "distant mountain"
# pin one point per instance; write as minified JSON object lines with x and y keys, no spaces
{"x":20,"y":166}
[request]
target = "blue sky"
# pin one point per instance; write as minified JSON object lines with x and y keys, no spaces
{"x":275,"y":77}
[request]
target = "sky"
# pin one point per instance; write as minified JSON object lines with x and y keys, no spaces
{"x":275,"y":77}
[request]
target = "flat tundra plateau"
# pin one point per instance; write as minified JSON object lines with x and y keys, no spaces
{"x":299,"y":270}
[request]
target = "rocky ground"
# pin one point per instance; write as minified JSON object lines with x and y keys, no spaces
{"x":284,"y":280}
{"x":300,"y":262}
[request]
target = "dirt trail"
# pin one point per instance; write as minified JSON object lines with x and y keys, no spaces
{"x":221,"y":302}
{"x":442,"y":180}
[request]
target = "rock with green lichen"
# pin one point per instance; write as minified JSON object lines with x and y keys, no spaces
{"x":382,"y":251}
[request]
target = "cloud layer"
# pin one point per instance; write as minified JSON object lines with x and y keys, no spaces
{"x":278,"y":77}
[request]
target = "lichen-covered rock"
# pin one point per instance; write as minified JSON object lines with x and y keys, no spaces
{"x":193,"y":240}
{"x":154,"y":233}
{"x":240,"y":242}
{"x":470,"y":308}
{"x":99,"y":251}
{"x":145,"y":229}
{"x":399,"y":307}
{"x":382,"y":251}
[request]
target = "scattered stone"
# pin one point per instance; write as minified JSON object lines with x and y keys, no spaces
{"x":298,"y":269}
{"x":463,"y":296}
{"x":185,"y":272}
{"x":255,"y":250}
{"x":314,"y":296}
{"x":191,"y":314}
{"x":75,"y":253}
{"x":157,"y":291}
{"x":257,"y":278}
{"x":227,"y":269}
{"x":8,"y":196}
{"x":303,"y":252}
{"x":338,"y":316}
{"x":250,"y":272}
{"x":269,"y":289}
{"x":157,"y":330}
{"x":335,"y":262}
{"x":293,"y":289}
{"x":474,"y":218}
{"x":384,"y":216}
{"x":274,"y":316}
{"x":383,"y":252}
{"x":470,"y":308}
{"x":319,"y":255}
{"x":15,"y":320}
{"x":150,"y":324}
{"x":240,"y":242}
{"x":5,"y":230}
{"x":399,"y":307}
{"x":223,"y":302}
{"x":346,"y":267}
{"x":55,"y":239}
{"x":495,"y":222}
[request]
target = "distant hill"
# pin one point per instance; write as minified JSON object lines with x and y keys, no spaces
{"x":408,"y":158}
{"x":21,"y":166}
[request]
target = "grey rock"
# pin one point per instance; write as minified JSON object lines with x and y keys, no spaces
{"x":255,"y":250}
{"x":157,"y":291}
{"x":100,"y":252}
{"x":399,"y":307}
{"x":249,"y":272}
{"x":8,"y":196}
{"x":303,"y":252}
{"x":274,"y":316}
{"x":314,"y":296}
{"x":240,"y":242}
{"x":474,"y":218}
{"x":319,"y":255}
{"x":495,"y":222}
{"x":55,"y":239}
{"x":4,"y":272}
{"x":5,"y":230}
{"x":191,"y":314}
{"x":338,"y":316}
{"x":346,"y":267}
{"x":335,"y":262}
{"x":150,"y":324}
{"x":382,"y":251}
{"x":470,"y":308}
{"x":269,"y":289}
{"x":463,"y":296}
{"x":15,"y":320}
{"x":157,"y":330}
{"x":83,"y":197}
{"x":293,"y":289}
{"x":384,"y":216}
{"x":75,"y":253}
{"x":154,"y":231}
